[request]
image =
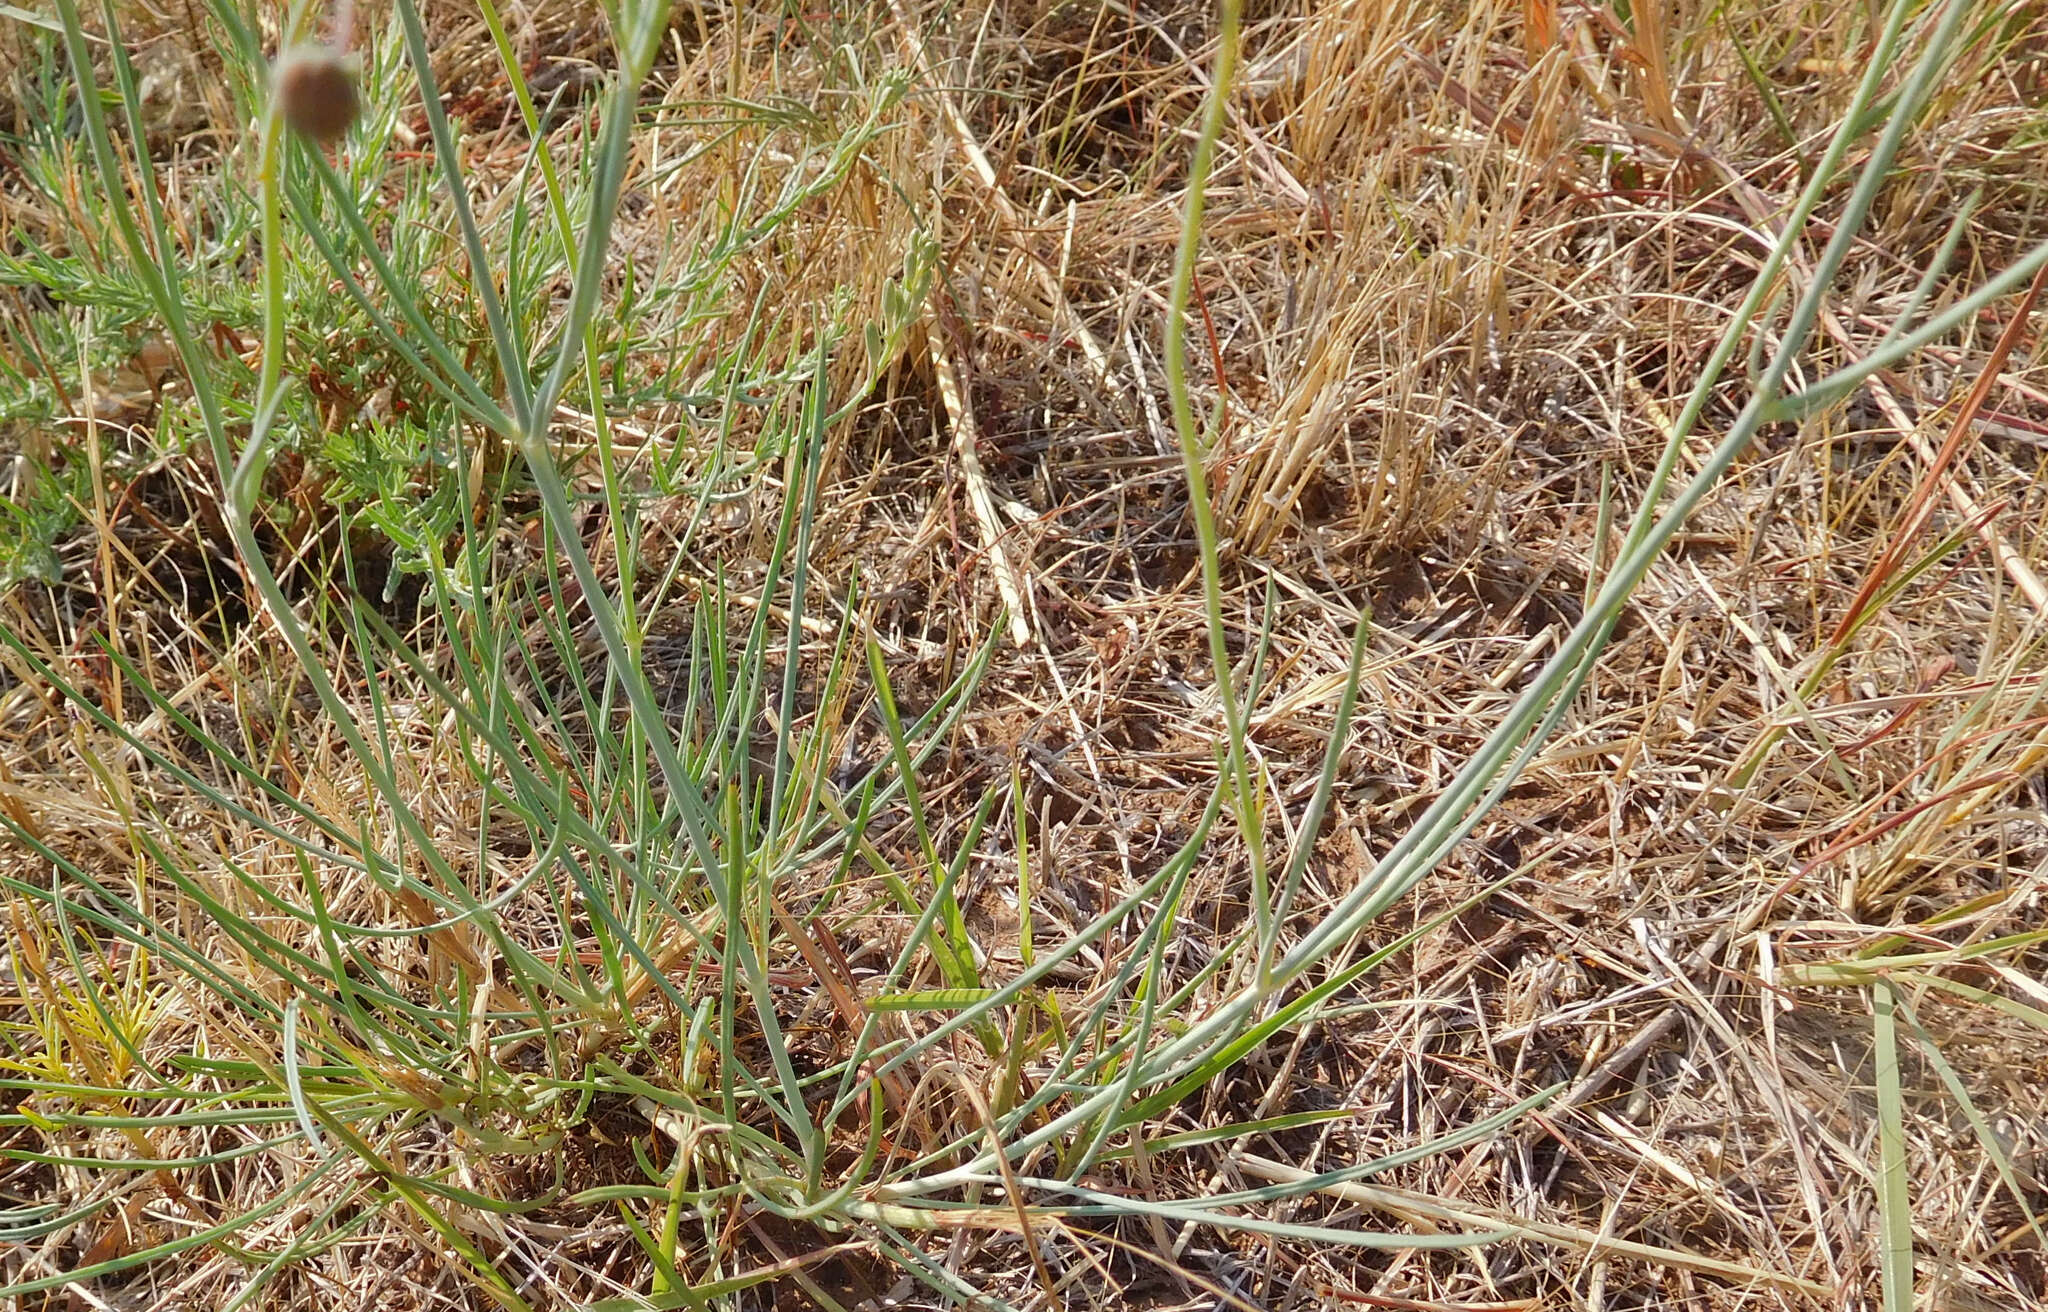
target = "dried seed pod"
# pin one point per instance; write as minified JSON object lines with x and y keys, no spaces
{"x":316,"y":91}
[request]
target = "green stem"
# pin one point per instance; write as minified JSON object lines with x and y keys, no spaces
{"x":1244,"y":789}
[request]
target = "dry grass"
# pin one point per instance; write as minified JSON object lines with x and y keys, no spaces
{"x":1461,"y":266}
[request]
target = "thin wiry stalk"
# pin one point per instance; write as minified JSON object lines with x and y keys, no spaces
{"x":1247,"y":794}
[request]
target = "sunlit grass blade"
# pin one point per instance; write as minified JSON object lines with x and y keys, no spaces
{"x":448,"y":155}
{"x":1894,"y":1188}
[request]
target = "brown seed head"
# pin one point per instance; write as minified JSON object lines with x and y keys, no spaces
{"x":316,"y":91}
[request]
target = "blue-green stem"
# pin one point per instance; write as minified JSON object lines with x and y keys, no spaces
{"x":1243,"y":782}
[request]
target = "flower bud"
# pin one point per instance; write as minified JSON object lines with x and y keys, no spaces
{"x":316,"y":91}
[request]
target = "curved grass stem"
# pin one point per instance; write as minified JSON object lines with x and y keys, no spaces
{"x":1240,"y":777}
